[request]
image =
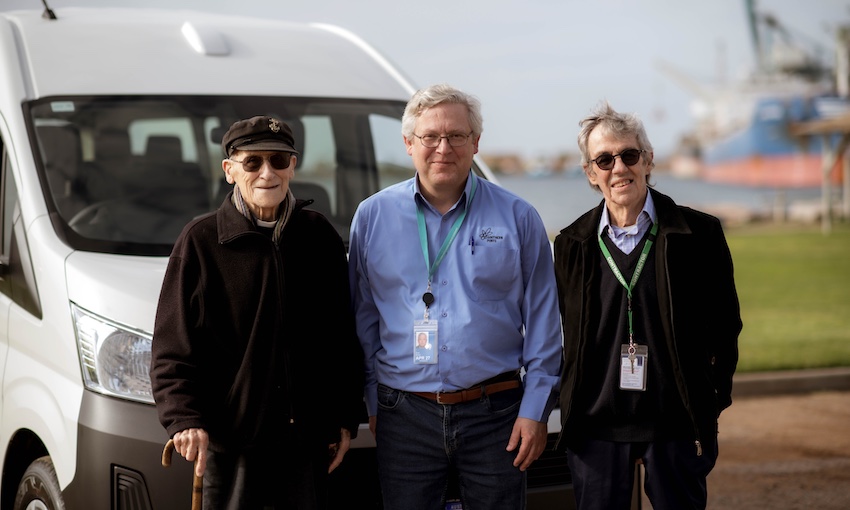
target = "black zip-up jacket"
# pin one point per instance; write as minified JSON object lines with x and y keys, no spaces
{"x":700,"y":313}
{"x":250,"y":336}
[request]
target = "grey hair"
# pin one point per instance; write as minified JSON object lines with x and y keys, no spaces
{"x":438,"y":94}
{"x":618,"y":125}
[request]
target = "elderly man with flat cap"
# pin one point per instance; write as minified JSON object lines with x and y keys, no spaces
{"x":254,"y":305}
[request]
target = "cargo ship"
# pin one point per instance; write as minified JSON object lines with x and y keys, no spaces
{"x":742,"y":133}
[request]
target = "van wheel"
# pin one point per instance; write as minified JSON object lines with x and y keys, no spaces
{"x":39,"y":488}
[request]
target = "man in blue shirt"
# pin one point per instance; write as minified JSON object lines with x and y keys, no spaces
{"x":452,"y":255}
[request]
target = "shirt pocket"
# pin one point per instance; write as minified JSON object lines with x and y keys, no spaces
{"x":495,"y":271}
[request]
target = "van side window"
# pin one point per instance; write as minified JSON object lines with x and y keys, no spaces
{"x":18,"y":278}
{"x":316,"y":167}
{"x":393,"y":162}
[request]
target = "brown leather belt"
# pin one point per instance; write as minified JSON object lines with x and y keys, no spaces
{"x":460,"y":396}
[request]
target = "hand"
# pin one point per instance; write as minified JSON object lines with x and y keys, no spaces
{"x":337,"y":450}
{"x":530,"y":436}
{"x":192,"y":444}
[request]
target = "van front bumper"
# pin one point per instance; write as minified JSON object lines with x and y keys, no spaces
{"x":119,"y":460}
{"x":119,"y":452}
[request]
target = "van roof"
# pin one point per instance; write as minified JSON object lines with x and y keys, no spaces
{"x":149,"y":51}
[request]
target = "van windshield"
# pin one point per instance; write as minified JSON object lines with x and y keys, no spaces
{"x":125,"y":174}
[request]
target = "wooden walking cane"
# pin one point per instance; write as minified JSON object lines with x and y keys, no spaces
{"x":197,"y":481}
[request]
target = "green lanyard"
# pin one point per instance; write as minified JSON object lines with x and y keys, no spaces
{"x":428,"y":297}
{"x":638,"y":270}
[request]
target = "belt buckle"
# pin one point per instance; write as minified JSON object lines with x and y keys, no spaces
{"x":438,"y":398}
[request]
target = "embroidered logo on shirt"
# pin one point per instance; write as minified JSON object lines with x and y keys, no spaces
{"x":489,"y":235}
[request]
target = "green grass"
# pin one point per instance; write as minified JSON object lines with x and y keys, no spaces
{"x":794,"y":287}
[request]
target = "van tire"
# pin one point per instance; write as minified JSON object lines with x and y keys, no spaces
{"x":39,"y":488}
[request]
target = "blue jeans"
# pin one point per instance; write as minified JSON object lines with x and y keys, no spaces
{"x":419,"y":442}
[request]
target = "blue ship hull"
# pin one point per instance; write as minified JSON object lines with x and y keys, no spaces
{"x":763,"y":153}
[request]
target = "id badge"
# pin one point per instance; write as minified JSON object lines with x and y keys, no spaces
{"x":424,"y":342}
{"x":633,"y":367}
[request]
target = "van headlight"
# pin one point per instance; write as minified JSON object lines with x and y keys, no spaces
{"x":115,"y":360}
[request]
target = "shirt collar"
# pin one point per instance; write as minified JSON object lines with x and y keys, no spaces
{"x":645,"y":217}
{"x":464,"y":197}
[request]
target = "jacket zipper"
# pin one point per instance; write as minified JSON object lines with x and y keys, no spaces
{"x":278,"y":261}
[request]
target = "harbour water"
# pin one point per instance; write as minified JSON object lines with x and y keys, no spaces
{"x":561,"y":198}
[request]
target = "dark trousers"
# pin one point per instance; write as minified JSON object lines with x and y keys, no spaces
{"x":603,"y":473}
{"x":290,"y":475}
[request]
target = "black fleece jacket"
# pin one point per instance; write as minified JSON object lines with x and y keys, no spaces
{"x":251,"y":337}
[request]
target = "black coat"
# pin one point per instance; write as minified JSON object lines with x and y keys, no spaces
{"x":697,"y":299}
{"x":250,"y":336}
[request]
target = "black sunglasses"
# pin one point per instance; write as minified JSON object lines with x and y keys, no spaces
{"x":278,"y":161}
{"x":629,"y":157}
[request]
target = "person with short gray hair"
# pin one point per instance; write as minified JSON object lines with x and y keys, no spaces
{"x":651,"y":319}
{"x":466,"y":266}
{"x":254,"y":304}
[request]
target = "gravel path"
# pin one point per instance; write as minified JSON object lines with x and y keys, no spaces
{"x":783,"y":453}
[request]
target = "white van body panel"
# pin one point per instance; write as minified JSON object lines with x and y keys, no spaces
{"x":123,"y":288}
{"x":45,"y":401}
{"x":62,"y":57}
{"x":42,"y":392}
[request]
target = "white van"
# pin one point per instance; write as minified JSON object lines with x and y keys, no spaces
{"x":110,"y":122}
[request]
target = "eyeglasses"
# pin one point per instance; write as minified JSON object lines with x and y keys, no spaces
{"x":278,"y":161}
{"x":433,"y":141}
{"x":629,"y":157}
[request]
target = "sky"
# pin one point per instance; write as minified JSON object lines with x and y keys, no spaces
{"x":540,"y":66}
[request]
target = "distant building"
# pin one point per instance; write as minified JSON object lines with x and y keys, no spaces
{"x":504,"y":163}
{"x":514,"y":164}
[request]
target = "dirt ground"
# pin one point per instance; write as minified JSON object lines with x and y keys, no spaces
{"x":783,"y":453}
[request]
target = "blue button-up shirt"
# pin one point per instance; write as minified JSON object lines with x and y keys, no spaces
{"x":496,"y":299}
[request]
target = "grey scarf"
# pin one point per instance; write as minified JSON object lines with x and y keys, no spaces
{"x":285,"y":211}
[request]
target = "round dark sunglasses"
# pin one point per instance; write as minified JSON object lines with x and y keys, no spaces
{"x":278,"y":161}
{"x":629,"y":157}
